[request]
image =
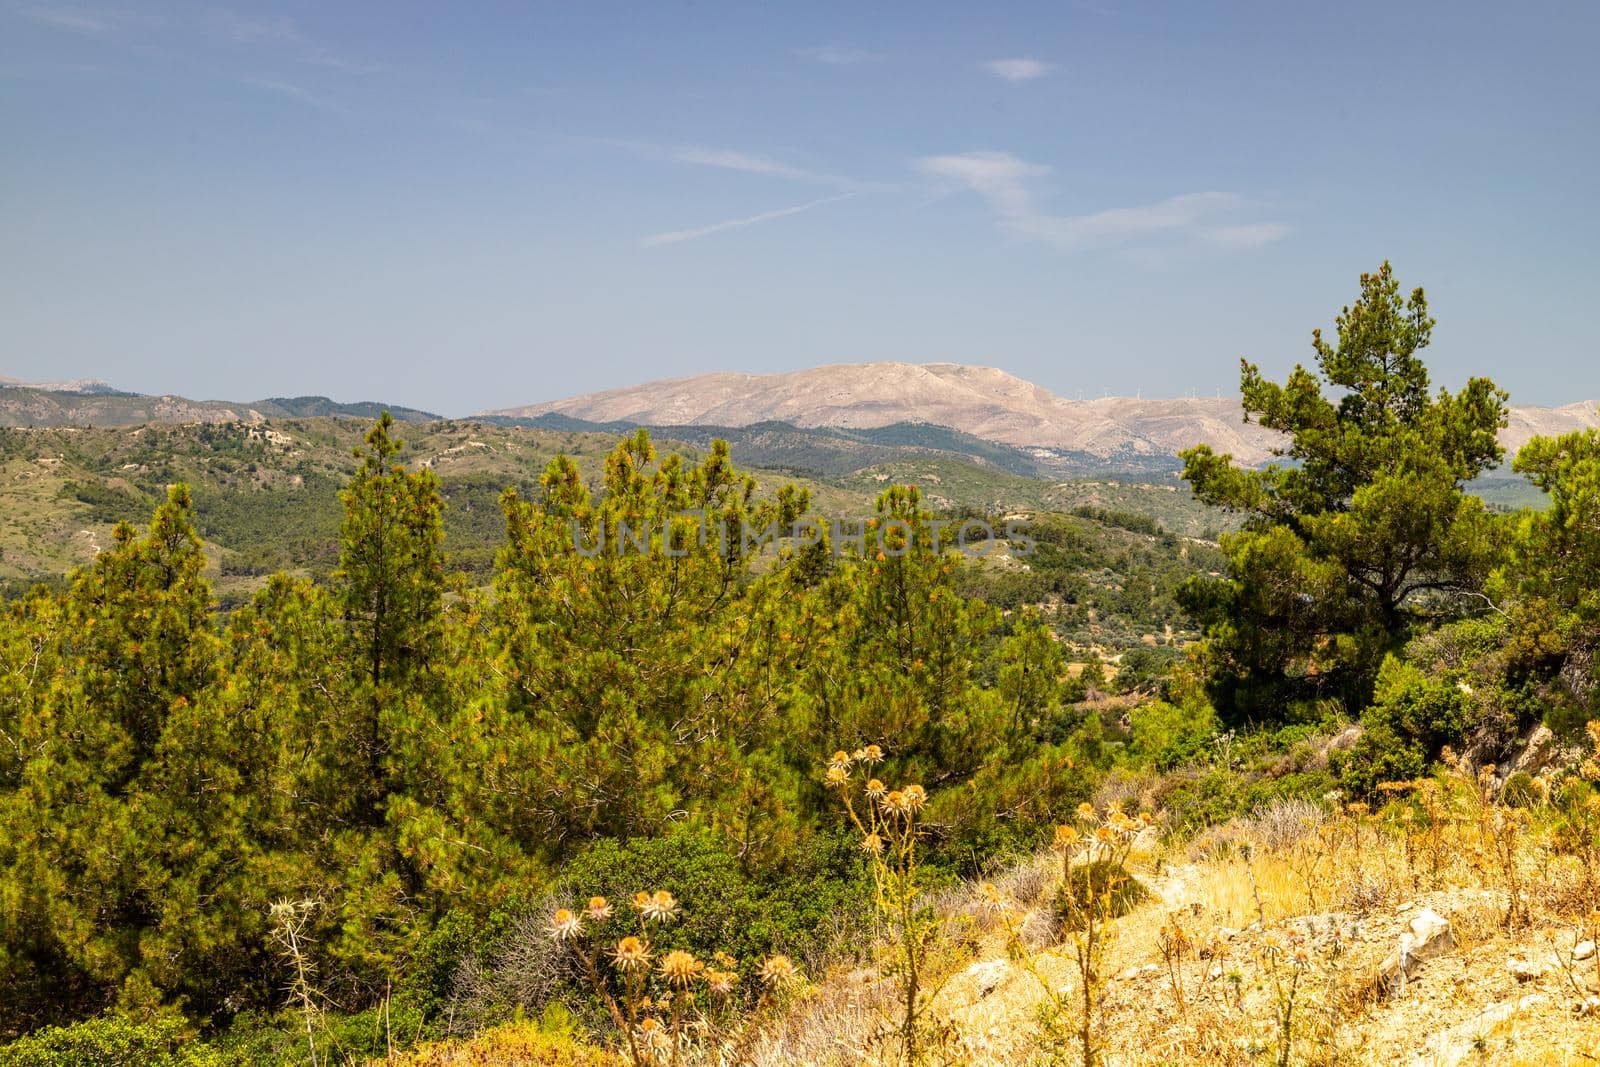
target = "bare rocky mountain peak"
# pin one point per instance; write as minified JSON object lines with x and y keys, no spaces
{"x":983,"y":401}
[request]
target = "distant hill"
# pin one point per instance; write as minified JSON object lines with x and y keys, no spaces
{"x":266,"y":496}
{"x":306,"y":407}
{"x":93,"y":403}
{"x":832,"y":450}
{"x":981,"y":402}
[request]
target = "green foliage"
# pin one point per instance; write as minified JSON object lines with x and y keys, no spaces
{"x":391,"y":568}
{"x":1554,"y":575}
{"x":1166,"y":736}
{"x":112,"y":1041}
{"x":1411,"y":718}
{"x":1520,"y":791}
{"x":725,"y":908}
{"x":1101,"y":886}
{"x":1366,"y":532}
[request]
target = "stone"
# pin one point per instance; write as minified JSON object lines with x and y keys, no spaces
{"x":987,"y":976}
{"x":1524,"y":970}
{"x":1583,"y":950}
{"x":1462,"y":1042}
{"x":1429,"y":936}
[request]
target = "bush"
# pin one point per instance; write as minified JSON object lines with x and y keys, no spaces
{"x":111,"y":1041}
{"x":1166,"y":736}
{"x":1520,"y":791}
{"x":1411,"y":718}
{"x":516,"y":1042}
{"x":1102,"y":887}
{"x":725,"y":908}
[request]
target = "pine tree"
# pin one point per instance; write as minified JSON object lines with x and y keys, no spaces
{"x":1366,"y":529}
{"x":134,"y":648}
{"x":391,"y":576}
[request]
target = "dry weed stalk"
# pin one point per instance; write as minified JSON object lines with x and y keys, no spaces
{"x":886,"y":819}
{"x":289,"y":920}
{"x":1071,"y":1026}
{"x":658,"y":1010}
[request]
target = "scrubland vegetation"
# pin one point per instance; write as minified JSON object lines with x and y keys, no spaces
{"x":708,"y":803}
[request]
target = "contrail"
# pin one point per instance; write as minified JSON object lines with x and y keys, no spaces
{"x":676,"y":236}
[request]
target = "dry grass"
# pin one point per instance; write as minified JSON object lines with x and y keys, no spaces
{"x":1283,"y":921}
{"x":1294,"y":903}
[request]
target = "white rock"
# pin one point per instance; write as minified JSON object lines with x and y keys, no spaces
{"x":1429,"y":936}
{"x":1524,"y":970}
{"x":988,"y":975}
{"x":1583,"y":950}
{"x":1461,"y":1042}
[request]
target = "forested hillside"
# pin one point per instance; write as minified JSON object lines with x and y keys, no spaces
{"x":514,"y":749}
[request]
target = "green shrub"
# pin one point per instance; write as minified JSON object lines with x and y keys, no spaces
{"x":725,"y":908}
{"x":1520,"y":791}
{"x":1167,"y":735}
{"x":111,"y":1041}
{"x":1411,"y":718}
{"x":1101,"y":887}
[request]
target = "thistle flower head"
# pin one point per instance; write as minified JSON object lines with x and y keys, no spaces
{"x":1066,"y":837}
{"x":721,"y":983}
{"x":653,"y":1034}
{"x":631,"y":954}
{"x":876,"y":789}
{"x":661,"y":907}
{"x":681,"y":968}
{"x":916,"y":797}
{"x":872,"y":844}
{"x":565,"y":924}
{"x":779,"y":971}
{"x":1086,"y":812}
{"x":874,"y":754}
{"x":836,"y":777}
{"x":840,"y":759}
{"x":599,"y":909}
{"x":894,"y":802}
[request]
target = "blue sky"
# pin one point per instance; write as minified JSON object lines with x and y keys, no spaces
{"x":468,"y":206}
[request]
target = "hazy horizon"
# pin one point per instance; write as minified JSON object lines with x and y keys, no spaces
{"x":464,"y":209}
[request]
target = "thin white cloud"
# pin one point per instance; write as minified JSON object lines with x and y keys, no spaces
{"x":999,"y":177}
{"x":274,"y":36}
{"x":278,"y":32}
{"x":291,"y":91}
{"x":678,"y":236}
{"x":838,"y":55}
{"x":1003,"y":181}
{"x":1252,"y":235}
{"x":1017,"y":70}
{"x":729,"y":159}
{"x":83,"y":19}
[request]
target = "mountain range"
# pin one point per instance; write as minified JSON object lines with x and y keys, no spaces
{"x":828,"y":419}
{"x":983,"y":402}
{"x":88,"y":402}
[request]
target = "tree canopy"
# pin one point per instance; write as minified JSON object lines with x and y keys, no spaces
{"x":1363,"y":527}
